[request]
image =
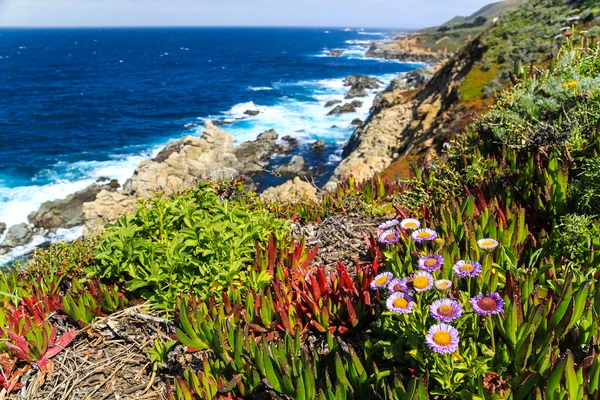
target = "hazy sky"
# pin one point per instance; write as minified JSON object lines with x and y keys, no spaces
{"x":354,"y":13}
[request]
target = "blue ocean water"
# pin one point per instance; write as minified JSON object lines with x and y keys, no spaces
{"x":77,"y":104}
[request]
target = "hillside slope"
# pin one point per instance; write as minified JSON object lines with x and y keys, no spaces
{"x":466,"y":84}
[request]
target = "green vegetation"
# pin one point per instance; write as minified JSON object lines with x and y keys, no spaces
{"x":497,"y":297}
{"x":475,"y":82}
{"x":194,"y":243}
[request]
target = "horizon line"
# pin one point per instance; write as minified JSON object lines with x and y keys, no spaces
{"x":201,"y":26}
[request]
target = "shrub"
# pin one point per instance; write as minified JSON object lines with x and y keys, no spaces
{"x":192,"y":243}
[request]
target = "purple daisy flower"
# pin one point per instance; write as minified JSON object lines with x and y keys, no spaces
{"x":431,"y":262}
{"x":422,"y":235}
{"x":445,"y":310}
{"x":442,"y":338}
{"x":400,"y":303}
{"x":421,"y":281}
{"x":388,"y":224}
{"x":399,"y":285}
{"x":391,"y":236}
{"x":488,"y":304}
{"x":466,"y":268}
{"x":381,"y":280}
{"x":410,"y":223}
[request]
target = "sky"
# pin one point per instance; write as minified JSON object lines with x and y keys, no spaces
{"x":401,"y":14}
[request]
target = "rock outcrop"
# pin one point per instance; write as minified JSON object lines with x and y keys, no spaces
{"x":346,"y":108}
{"x":252,"y":113}
{"x":359,"y":85}
{"x":2,"y":228}
{"x":182,"y":163}
{"x":107,"y":207}
{"x":253,"y":156}
{"x":335,"y":53}
{"x":64,"y":213}
{"x":295,"y":190}
{"x":332,"y":103}
{"x":405,"y":49}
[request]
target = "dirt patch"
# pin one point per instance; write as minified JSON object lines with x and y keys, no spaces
{"x":106,"y":361}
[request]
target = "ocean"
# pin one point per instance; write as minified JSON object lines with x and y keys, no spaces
{"x":79,"y":104}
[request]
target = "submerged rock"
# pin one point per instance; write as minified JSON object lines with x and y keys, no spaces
{"x":221,"y":123}
{"x":356,"y":122}
{"x":335,"y":53}
{"x":319,"y":145}
{"x":252,"y":112}
{"x":295,"y":190}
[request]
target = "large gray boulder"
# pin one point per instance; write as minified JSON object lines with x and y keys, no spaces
{"x":296,"y":167}
{"x":17,"y":235}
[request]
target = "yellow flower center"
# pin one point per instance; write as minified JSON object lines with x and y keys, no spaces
{"x":487,"y":243}
{"x":381,"y":280}
{"x":420,"y":282}
{"x":446,"y":311}
{"x":431,"y":262}
{"x":400,"y":302}
{"x":410,"y":224}
{"x":423,"y":235}
{"x":467,"y":268}
{"x":442,"y":338}
{"x":442,"y":284}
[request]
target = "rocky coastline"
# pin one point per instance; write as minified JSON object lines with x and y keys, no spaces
{"x":182,"y":163}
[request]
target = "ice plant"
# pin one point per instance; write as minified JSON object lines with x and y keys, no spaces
{"x":431,"y":262}
{"x":443,"y":284}
{"x":410,"y":223}
{"x":400,"y":303}
{"x":442,"y":338}
{"x":422,"y":235}
{"x":399,"y":285}
{"x":381,"y":280}
{"x":421,"y":281}
{"x":391,"y":236}
{"x":445,"y":310}
{"x":388,"y":224}
{"x":487,"y":244}
{"x":466,"y":268}
{"x":488,"y":304}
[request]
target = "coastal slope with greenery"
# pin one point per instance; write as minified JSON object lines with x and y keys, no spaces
{"x":474,"y":278}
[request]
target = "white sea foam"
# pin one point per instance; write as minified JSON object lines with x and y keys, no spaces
{"x":371,"y":33}
{"x":61,"y":235}
{"x":18,"y":202}
{"x":355,"y":41}
{"x":305,"y":120}
{"x":259,"y":88}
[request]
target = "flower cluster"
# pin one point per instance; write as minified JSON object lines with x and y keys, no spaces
{"x":441,"y":337}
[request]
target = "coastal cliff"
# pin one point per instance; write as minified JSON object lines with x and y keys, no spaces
{"x":405,"y":119}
